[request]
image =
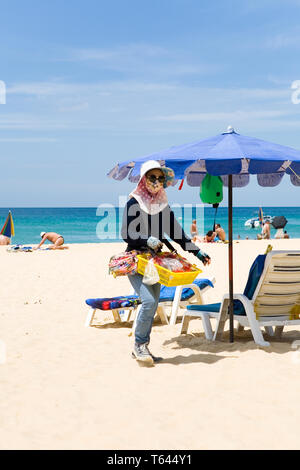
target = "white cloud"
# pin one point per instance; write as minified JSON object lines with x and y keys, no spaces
{"x":140,"y":107}
{"x":46,"y":88}
{"x":106,"y":89}
{"x":284,"y":40}
{"x":30,"y":140}
{"x":129,"y":51}
{"x":100,"y":88}
{"x":74,"y":107}
{"x":143,"y":60}
{"x":235,"y":115}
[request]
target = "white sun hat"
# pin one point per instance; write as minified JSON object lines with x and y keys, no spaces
{"x":153,"y":164}
{"x":42,"y":234}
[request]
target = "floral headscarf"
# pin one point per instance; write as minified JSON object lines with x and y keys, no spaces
{"x":149,"y":202}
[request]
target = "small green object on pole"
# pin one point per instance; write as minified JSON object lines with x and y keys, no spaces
{"x":211,"y":189}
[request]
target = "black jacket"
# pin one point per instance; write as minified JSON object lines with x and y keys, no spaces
{"x":138,"y":226}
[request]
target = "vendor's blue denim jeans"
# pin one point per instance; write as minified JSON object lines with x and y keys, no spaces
{"x":149,"y":296}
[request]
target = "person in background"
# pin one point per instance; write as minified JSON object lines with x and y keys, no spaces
{"x":210,"y":237}
{"x":4,"y":240}
{"x":194,"y":231}
{"x":55,"y":238}
{"x":286,"y":235}
{"x":220,"y":232}
{"x":266,"y":232}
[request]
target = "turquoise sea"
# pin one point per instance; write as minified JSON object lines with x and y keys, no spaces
{"x":92,"y":225}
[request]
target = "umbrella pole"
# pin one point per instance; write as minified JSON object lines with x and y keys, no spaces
{"x":230,"y":255}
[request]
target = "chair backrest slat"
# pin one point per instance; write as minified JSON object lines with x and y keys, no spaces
{"x":278,"y":288}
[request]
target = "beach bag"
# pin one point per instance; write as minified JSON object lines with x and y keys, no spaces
{"x":211,"y":190}
{"x":123,"y":264}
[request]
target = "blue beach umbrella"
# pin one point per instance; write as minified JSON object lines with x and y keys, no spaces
{"x":230,"y":155}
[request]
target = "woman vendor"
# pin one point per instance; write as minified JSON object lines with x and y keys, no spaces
{"x":147,"y":220}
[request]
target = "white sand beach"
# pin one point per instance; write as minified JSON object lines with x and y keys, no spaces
{"x":64,"y":386}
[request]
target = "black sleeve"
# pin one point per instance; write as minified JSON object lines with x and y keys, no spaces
{"x":132,"y":230}
{"x":174,"y":230}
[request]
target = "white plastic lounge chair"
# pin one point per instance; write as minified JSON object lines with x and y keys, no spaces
{"x":272,"y":299}
{"x":180,"y":297}
{"x":181,"y":301}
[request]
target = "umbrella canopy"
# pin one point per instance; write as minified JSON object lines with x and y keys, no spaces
{"x":230,"y":155}
{"x":8,"y":228}
{"x":279,"y":222}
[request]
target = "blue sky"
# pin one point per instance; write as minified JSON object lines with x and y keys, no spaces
{"x":93,"y":83}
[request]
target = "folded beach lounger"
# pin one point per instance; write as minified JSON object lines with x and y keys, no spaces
{"x":271,"y":298}
{"x":175,"y":297}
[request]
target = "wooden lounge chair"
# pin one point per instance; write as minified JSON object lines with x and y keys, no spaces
{"x":271,"y":298}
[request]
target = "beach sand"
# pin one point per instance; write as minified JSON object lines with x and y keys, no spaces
{"x":64,"y":386}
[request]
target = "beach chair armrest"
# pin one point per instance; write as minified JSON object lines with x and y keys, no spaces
{"x":242,"y":298}
{"x":177,"y":297}
{"x":250,"y":315}
{"x":196,"y":289}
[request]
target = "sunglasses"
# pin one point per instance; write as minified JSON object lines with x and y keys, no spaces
{"x":153,"y":178}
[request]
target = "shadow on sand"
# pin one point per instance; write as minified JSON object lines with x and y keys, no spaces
{"x":243,"y":341}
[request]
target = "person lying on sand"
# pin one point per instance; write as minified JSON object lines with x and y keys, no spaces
{"x":4,"y":240}
{"x":55,"y":238}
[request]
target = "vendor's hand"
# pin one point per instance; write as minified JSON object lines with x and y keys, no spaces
{"x":203,"y":257}
{"x":154,"y":243}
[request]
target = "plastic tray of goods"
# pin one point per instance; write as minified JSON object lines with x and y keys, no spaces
{"x":166,"y":277}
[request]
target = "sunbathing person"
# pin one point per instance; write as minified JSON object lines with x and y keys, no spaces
{"x":55,"y":238}
{"x":220,"y":232}
{"x":266,"y":233}
{"x":4,"y":240}
{"x":210,"y":237}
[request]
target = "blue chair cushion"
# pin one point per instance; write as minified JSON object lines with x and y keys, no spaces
{"x":254,"y":275}
{"x":205,"y":308}
{"x":238,"y":307}
{"x":253,"y":279}
{"x":167,"y":293}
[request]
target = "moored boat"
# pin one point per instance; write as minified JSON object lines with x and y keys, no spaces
{"x":255,"y":222}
